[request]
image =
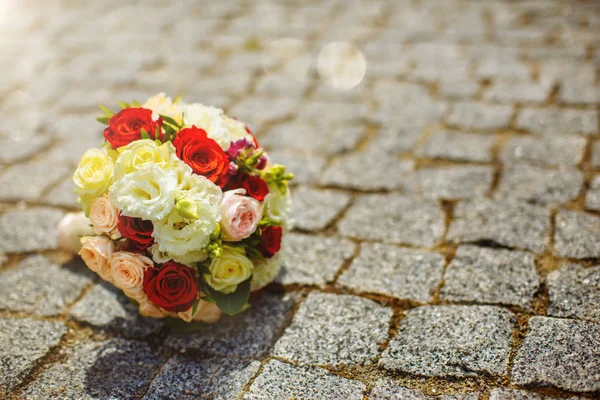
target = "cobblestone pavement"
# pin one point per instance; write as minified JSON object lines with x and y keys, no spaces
{"x":447,"y":156}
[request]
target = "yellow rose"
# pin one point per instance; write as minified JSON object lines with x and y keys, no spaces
{"x":141,"y":152}
{"x":229,"y":270}
{"x":93,"y":176}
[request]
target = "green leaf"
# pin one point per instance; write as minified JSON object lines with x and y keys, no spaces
{"x":103,"y":120}
{"x":231,"y":303}
{"x":123,"y":104}
{"x":195,"y":307}
{"x":177,"y":99}
{"x":106,"y":111}
{"x":169,"y":120}
{"x":144,"y":134}
{"x":136,"y":103}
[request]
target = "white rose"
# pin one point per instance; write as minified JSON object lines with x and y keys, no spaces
{"x":229,"y":270}
{"x":147,"y":193}
{"x":96,"y":252}
{"x":188,"y":258}
{"x":104,"y":217}
{"x":277,"y":206}
{"x":127,"y":272}
{"x":70,"y":230}
{"x":217,"y":125}
{"x":265,"y":272}
{"x":162,"y":105}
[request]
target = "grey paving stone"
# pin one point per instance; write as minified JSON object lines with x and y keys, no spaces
{"x":459,"y":89}
{"x":364,"y":171}
{"x":396,"y":137}
{"x":386,"y":389}
{"x":455,"y":182}
{"x":560,"y":150}
{"x":107,"y":308}
{"x":111,"y":369}
{"x":334,"y":139}
{"x":596,"y":154}
{"x":558,"y":122}
{"x":280,"y":85}
{"x":284,"y":381}
{"x":517,"y":92}
{"x":473,"y":115}
{"x":538,"y":185}
{"x":247,"y":334}
{"x":377,"y":217}
{"x":337,"y":113}
{"x":306,"y":166}
{"x":452,"y":341}
{"x":503,"y":66}
{"x":511,"y":224}
{"x":15,"y":150}
{"x":28,"y":181}
{"x":402,"y":273}
{"x":592,"y":198}
{"x":27,"y":288}
{"x":255,"y":111}
{"x":458,"y":146}
{"x":23,"y":342}
{"x":577,"y":234}
{"x":513,"y":394}
{"x":29,"y":230}
{"x":315,"y":209}
{"x":332,"y":329}
{"x":482,"y":275}
{"x":62,"y":194}
{"x":214,"y":378}
{"x":574,"y":292}
{"x":572,"y":92}
{"x":561,"y":353}
{"x":313,"y":260}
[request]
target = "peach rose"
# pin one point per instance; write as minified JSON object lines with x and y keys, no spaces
{"x":148,"y":309}
{"x":240,"y":215}
{"x":206,"y":312}
{"x":96,"y":252}
{"x":104,"y":217}
{"x":127,"y":272}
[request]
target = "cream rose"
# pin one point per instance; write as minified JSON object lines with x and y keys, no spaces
{"x":104,"y":217}
{"x":162,"y":105}
{"x":229,"y":270}
{"x":127,"y":272}
{"x":96,"y":252}
{"x":240,"y":215}
{"x":265,"y":272}
{"x":141,"y":152}
{"x":70,"y":230}
{"x":93,"y":176}
{"x":278,"y":206}
{"x":147,"y":193}
{"x":218,"y":126}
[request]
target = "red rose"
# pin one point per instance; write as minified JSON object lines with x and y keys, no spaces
{"x":255,"y":187}
{"x":171,"y":286}
{"x":270,"y":240}
{"x":126,"y":126}
{"x":137,"y":231}
{"x":203,"y":154}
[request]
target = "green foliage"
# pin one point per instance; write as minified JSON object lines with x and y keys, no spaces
{"x":230,"y":303}
{"x":277,"y":176}
{"x":107,"y":114}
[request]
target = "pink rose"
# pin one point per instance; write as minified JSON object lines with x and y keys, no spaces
{"x":127,"y":271}
{"x":96,"y":252}
{"x":104,"y":217}
{"x":206,"y":312}
{"x":240,"y":215}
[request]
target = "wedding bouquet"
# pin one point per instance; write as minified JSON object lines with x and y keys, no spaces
{"x":187,"y":210}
